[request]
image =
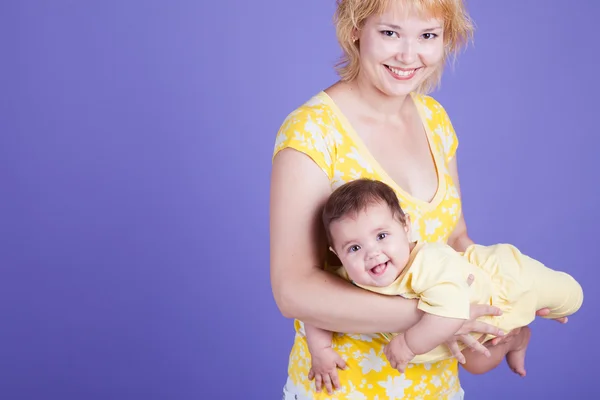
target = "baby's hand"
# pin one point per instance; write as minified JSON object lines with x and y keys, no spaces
{"x":398,"y":353}
{"x":325,"y":363}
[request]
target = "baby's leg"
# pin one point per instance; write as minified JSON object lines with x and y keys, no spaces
{"x":548,"y":288}
{"x":514,"y":351}
{"x":555,"y":290}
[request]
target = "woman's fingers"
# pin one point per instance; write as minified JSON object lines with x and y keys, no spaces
{"x":455,"y":350}
{"x":475,"y":345}
{"x":482,"y":327}
{"x":480,"y":310}
{"x":546,"y":311}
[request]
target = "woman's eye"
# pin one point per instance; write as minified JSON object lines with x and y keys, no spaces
{"x":429,"y":36}
{"x":388,"y":33}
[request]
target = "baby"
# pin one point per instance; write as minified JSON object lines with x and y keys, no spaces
{"x":369,"y":233}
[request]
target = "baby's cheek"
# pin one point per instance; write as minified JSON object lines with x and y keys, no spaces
{"x":354,"y":271}
{"x":401,"y":260}
{"x":357,"y":273}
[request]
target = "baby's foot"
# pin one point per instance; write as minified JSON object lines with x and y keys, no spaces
{"x":516,"y":357}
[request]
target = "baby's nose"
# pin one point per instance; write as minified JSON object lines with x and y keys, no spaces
{"x":373,"y":252}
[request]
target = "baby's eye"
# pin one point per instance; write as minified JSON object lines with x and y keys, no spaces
{"x":381,"y":236}
{"x":354,"y":248}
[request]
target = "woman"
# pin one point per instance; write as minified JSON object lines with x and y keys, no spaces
{"x":376,"y":122}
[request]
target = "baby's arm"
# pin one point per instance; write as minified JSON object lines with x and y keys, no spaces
{"x":317,"y":338}
{"x":325,"y":360}
{"x":430,"y":332}
{"x":436,"y":277}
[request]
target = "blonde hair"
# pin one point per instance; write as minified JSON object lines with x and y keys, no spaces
{"x":351,"y":15}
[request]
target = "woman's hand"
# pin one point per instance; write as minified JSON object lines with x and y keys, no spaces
{"x":472,"y":325}
{"x":545,"y":311}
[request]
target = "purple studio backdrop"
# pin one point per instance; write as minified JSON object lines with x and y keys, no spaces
{"x":135,"y":150}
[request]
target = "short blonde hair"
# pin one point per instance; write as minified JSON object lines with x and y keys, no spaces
{"x":351,"y":15}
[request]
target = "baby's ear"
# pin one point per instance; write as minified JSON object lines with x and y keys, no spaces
{"x":407,"y":223}
{"x":332,"y":250}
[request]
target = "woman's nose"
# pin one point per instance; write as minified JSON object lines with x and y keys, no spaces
{"x":406,"y":51}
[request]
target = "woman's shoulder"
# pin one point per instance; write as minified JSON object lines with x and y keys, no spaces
{"x":432,"y":108}
{"x":313,"y":129}
{"x":314,"y":120}
{"x":315,"y":109}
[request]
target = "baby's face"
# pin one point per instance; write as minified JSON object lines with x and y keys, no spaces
{"x":373,"y":245}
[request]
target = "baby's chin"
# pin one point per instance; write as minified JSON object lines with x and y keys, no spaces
{"x":384,"y":282}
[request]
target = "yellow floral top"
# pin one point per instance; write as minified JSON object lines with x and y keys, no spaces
{"x":320,"y":130}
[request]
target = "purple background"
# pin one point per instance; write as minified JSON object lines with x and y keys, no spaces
{"x":135,"y":150}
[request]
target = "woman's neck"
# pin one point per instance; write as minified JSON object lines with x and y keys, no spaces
{"x":375,"y":102}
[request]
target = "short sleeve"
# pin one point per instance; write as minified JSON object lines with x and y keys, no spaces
{"x":305,"y":131}
{"x":441,"y":125}
{"x":440,"y":286}
{"x":451,"y":140}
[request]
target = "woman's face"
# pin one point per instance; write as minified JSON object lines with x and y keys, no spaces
{"x":399,"y":50}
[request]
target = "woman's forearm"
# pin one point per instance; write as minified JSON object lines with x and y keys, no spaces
{"x":461,"y":242}
{"x":329,"y":302}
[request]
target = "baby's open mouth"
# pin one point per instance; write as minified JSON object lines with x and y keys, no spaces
{"x":379,"y":269}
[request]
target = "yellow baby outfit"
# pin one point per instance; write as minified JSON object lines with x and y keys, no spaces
{"x":504,"y":277}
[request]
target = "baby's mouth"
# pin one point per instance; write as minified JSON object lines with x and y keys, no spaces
{"x":379,"y":269}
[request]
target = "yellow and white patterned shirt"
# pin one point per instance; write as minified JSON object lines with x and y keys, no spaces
{"x":320,"y":130}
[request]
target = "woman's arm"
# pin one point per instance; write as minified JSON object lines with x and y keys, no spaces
{"x":459,"y":239}
{"x":301,"y":289}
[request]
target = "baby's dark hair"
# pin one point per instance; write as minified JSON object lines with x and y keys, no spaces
{"x":356,"y":196}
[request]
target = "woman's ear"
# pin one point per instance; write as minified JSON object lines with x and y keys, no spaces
{"x":354,"y":35}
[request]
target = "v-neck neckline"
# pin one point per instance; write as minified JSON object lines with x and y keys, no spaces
{"x":364,"y":150}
